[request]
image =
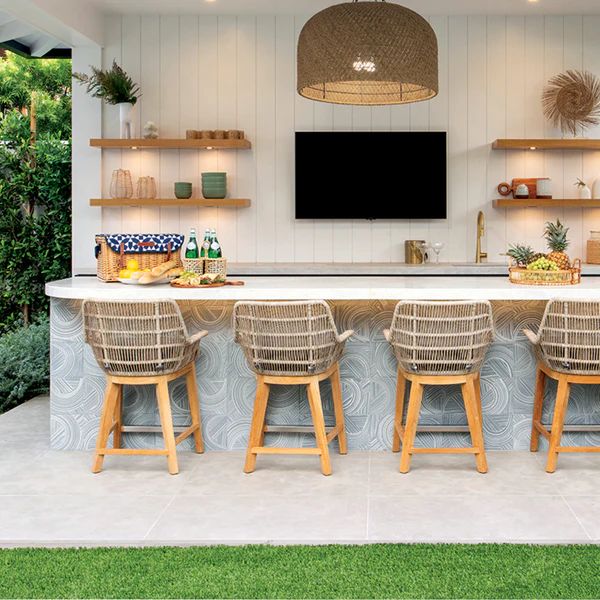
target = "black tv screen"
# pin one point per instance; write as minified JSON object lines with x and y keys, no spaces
{"x":371,"y":175}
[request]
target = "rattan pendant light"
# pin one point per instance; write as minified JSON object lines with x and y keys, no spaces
{"x":370,"y":52}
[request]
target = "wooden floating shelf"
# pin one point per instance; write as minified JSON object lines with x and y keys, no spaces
{"x":171,"y":144}
{"x":545,"y":144}
{"x":545,"y":203}
{"x":172,"y":202}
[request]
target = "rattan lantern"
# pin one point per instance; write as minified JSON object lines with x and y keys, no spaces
{"x":367,"y":53}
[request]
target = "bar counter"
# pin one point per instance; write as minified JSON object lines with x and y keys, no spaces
{"x":368,"y":368}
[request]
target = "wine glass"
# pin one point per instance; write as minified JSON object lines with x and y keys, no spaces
{"x":423,"y":247}
{"x":437,"y":248}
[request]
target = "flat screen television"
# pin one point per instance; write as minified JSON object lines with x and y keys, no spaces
{"x":371,"y":175}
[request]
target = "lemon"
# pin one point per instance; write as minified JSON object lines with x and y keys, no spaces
{"x":133,"y":265}
{"x":124,"y":274}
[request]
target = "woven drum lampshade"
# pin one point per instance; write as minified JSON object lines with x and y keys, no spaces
{"x":367,"y":53}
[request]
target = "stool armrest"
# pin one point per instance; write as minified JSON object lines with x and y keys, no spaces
{"x":532,"y":337}
{"x":344,"y":336}
{"x":193,"y":339}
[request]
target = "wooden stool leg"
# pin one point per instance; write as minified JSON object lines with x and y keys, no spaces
{"x":316,"y":408}
{"x":166,"y":421}
{"x":258,"y":422}
{"x":400,"y":393}
{"x":118,"y":418}
{"x":194,"y":402}
{"x":475,"y":424}
{"x":338,"y":407}
{"x":106,"y":420}
{"x":538,"y":407}
{"x":558,"y":421}
{"x":412,"y":419}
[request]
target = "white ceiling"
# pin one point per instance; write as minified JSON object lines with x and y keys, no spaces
{"x":425,"y":7}
{"x":38,"y":42}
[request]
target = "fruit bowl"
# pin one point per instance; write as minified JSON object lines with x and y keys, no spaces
{"x":525,"y":276}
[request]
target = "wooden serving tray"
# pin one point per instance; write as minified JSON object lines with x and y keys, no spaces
{"x":205,"y":285}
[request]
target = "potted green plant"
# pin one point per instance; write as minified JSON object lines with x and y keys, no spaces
{"x":585,"y":193}
{"x":113,"y":86}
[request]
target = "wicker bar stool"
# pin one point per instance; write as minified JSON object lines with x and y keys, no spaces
{"x":292,"y":343}
{"x":439,"y":343}
{"x":567,"y":349}
{"x":142,"y":343}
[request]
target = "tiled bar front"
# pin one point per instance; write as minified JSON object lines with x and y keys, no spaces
{"x":226,"y":385}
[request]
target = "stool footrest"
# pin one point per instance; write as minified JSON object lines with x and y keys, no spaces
{"x":293,"y":429}
{"x":186,"y":433}
{"x":130,"y":451}
{"x":275,"y":450}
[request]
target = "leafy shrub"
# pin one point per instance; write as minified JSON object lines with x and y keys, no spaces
{"x":24,"y":363}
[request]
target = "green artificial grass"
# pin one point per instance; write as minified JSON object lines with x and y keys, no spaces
{"x":370,"y":571}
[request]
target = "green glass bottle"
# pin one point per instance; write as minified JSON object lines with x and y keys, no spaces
{"x":205,"y":244}
{"x":191,"y":250}
{"x":215,"y":248}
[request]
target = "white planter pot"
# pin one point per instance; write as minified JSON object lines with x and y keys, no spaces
{"x":126,"y":120}
{"x":596,"y":189}
{"x":585,"y":193}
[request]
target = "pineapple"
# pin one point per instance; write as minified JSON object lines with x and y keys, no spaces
{"x":556,"y":238}
{"x":521,"y":254}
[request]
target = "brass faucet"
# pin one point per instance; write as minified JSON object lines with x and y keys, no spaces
{"x":479,"y":255}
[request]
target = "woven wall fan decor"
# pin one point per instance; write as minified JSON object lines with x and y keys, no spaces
{"x":571,"y":101}
{"x":367,"y":53}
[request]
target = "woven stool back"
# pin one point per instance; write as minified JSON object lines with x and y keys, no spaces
{"x":135,"y":338}
{"x":569,"y":336}
{"x":287,"y":338}
{"x":441,"y":338}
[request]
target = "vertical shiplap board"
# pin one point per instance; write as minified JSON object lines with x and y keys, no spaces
{"x":285,"y":44}
{"x":208,"y":102}
{"x":362,"y":230}
{"x":438,"y":121}
{"x":150,"y":109}
{"x":226,"y":117}
{"x":381,"y":231}
{"x":534,"y":118}
{"x":188,"y":115}
{"x":515,"y":118}
{"x":342,"y":230}
{"x":324,"y":241}
{"x":304,"y":117}
{"x":553,"y":161}
{"x":573,"y":161}
{"x":400,"y":229}
{"x":246,"y":120}
{"x":497,"y":83}
{"x":265,"y":137}
{"x":458,"y":137}
{"x":130,"y":60}
{"x":169,"y":117}
{"x":111,"y":160}
{"x":477,"y":140}
{"x":591,"y":160}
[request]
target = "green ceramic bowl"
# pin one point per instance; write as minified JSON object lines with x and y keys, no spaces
{"x":214,"y":185}
{"x":183,"y":189}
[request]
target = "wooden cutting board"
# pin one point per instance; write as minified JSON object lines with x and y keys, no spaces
{"x":206,"y":285}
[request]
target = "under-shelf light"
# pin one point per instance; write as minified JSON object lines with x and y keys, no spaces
{"x":533,"y":147}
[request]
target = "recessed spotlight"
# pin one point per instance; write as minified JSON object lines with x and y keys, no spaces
{"x":533,"y":147}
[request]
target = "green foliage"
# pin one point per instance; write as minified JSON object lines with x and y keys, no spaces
{"x":362,"y":571}
{"x":24,"y":363}
{"x":112,"y":86}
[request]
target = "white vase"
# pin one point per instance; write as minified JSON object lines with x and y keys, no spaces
{"x":596,"y":189}
{"x":584,"y":192}
{"x":126,"y":120}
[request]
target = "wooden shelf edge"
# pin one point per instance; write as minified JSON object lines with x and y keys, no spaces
{"x":170,"y":144}
{"x":545,"y":203}
{"x":545,"y":144}
{"x":171,"y":202}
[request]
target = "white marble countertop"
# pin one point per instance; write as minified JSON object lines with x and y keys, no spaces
{"x":332,"y":288}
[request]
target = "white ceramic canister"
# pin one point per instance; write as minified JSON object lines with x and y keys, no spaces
{"x":522,"y":191}
{"x":544,"y":187}
{"x":596,"y":189}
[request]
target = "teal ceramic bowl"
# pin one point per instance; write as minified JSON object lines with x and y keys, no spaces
{"x":183,"y":189}
{"x":214,"y":185}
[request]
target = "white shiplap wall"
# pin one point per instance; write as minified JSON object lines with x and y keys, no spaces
{"x":228,"y":72}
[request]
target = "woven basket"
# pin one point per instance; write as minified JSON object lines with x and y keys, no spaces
{"x":194,"y":265}
{"x":538,"y":277}
{"x":216,"y":265}
{"x":109,"y":262}
{"x":593,"y":252}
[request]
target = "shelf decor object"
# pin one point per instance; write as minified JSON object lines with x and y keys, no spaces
{"x":367,"y":53}
{"x":214,"y":185}
{"x":113,"y":86}
{"x":571,"y":101}
{"x":121,"y":185}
